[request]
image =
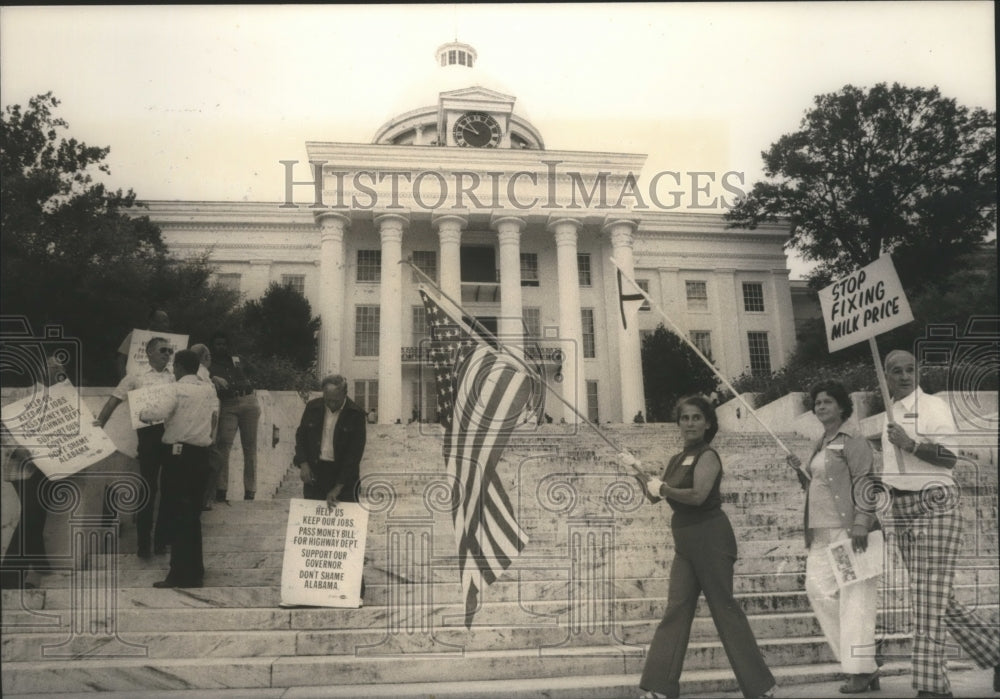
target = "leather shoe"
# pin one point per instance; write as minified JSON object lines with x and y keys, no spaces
{"x":160,"y":551}
{"x":860,"y":683}
{"x":144,"y":553}
{"x":170,"y":584}
{"x":249,"y":495}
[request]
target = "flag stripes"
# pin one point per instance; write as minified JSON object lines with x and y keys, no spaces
{"x":482,"y":392}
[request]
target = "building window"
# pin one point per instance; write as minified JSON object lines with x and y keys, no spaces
{"x":592,"y":413}
{"x":702,"y":339}
{"x":427,"y":262}
{"x":697,"y":296}
{"x":760,"y":354}
{"x":644,"y":285}
{"x":529,"y":269}
{"x":295,"y":281}
{"x":589,"y":336}
{"x":366,"y":320}
{"x":753,"y":297}
{"x":366,"y":396}
{"x":229,"y":281}
{"x":533,"y":321}
{"x":420,"y":329}
{"x":583,"y":268}
{"x":370,"y":266}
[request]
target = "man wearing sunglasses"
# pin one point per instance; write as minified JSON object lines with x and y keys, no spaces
{"x":151,"y":449}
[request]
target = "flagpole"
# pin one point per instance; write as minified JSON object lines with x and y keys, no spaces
{"x":479,"y":327}
{"x":703,"y":358}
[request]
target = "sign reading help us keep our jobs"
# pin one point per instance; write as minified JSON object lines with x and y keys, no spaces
{"x":137,"y":360}
{"x":324,"y":554}
{"x":57,"y":429}
{"x":864,"y":304}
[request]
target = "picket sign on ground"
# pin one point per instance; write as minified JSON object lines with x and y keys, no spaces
{"x":324,"y":554}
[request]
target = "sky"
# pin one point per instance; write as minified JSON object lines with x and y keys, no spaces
{"x":200,"y":103}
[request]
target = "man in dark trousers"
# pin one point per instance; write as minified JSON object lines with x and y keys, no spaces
{"x":191,"y":415}
{"x":329,"y":444}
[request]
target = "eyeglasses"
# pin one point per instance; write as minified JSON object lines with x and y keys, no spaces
{"x":166,"y":350}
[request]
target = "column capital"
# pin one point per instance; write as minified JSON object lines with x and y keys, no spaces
{"x":397,"y":219}
{"x":450,"y":221}
{"x":557,"y":222}
{"x":621,"y":230}
{"x":332,"y":224}
{"x":501,"y":216}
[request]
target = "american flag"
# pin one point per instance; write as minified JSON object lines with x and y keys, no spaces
{"x":481,"y":394}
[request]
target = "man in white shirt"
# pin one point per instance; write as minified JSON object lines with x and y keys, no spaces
{"x":917,"y":463}
{"x":191,"y":415}
{"x":150,"y":447}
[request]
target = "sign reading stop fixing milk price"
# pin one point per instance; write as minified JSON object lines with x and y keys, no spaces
{"x":324,"y":554}
{"x":864,"y":304}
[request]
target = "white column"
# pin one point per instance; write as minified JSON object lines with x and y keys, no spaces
{"x":570,"y":325}
{"x":450,"y":236}
{"x":390,"y":370}
{"x":729,"y":306}
{"x":784,"y":319}
{"x":330,"y":304}
{"x":509,"y":233}
{"x":630,"y":359}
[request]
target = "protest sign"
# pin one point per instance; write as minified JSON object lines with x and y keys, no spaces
{"x":864,"y":304}
{"x":57,"y":429}
{"x":148,"y":397}
{"x":137,"y":360}
{"x":324,"y":554}
{"x":849,"y":566}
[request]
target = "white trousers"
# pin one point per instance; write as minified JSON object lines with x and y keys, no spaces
{"x":846,"y":615}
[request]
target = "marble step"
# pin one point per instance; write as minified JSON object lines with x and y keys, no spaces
{"x":144,"y":674}
{"x":614,"y":686}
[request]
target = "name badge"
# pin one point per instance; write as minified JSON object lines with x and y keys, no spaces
{"x":176,"y":449}
{"x":688,"y":460}
{"x":236,"y":361}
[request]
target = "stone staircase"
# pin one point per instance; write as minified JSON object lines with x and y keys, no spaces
{"x":571,"y":618}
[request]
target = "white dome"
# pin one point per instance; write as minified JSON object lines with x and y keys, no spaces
{"x":425,"y":83}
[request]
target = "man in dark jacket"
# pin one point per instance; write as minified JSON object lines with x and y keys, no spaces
{"x":329,"y":444}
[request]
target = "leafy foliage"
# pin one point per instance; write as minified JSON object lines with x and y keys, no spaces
{"x":77,"y":255}
{"x":280,"y":324}
{"x":889,"y":169}
{"x":670,"y":370}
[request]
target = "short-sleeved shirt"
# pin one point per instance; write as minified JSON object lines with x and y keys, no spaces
{"x":141,"y":379}
{"x":188,"y":413}
{"x":925,"y":418}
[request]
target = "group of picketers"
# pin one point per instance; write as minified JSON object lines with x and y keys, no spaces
{"x":843,"y":496}
{"x":183,"y":447}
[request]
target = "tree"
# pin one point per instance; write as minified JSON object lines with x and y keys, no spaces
{"x":77,"y":255}
{"x":281,"y":324}
{"x":890,"y":169}
{"x":670,"y":370}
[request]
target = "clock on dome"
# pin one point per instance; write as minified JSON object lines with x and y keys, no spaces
{"x":477,"y":130}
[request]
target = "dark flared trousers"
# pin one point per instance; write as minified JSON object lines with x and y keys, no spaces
{"x":184,"y":477}
{"x":152,"y":453}
{"x":27,"y":545}
{"x":704,"y":556}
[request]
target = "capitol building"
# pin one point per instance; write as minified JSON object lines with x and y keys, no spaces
{"x":460,"y":183}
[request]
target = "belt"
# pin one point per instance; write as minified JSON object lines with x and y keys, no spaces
{"x":237,"y":393}
{"x":897,"y":491}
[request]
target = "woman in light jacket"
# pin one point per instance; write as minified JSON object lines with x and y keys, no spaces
{"x":840,"y":505}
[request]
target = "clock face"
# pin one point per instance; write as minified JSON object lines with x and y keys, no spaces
{"x":477,"y":130}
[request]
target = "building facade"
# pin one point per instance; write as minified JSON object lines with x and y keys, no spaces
{"x":463,"y":187}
